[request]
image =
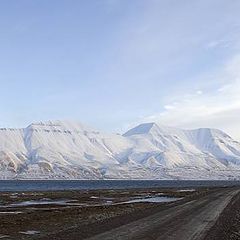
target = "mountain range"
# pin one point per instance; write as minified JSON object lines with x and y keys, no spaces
{"x":69,"y":150}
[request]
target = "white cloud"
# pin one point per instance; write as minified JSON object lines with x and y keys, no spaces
{"x":214,"y":44}
{"x":218,"y":108}
{"x":169,"y":107}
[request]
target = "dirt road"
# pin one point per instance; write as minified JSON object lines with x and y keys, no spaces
{"x":187,"y":221}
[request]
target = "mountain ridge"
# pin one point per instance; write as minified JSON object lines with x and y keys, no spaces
{"x":71,"y":150}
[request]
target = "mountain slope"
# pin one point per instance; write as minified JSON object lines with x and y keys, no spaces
{"x":67,"y":150}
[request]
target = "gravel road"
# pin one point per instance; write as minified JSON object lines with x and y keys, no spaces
{"x":188,"y":221}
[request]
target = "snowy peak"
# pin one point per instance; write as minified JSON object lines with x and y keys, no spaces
{"x":177,"y":145}
{"x":144,"y":128}
{"x":154,"y":129}
{"x":202,"y":133}
{"x":216,"y":143}
{"x":60,"y":125}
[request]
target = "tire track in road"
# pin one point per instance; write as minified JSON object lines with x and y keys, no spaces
{"x":188,"y":221}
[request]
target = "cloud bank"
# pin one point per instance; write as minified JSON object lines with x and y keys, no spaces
{"x":217,"y":108}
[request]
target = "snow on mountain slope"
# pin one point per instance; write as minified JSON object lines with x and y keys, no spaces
{"x":216,"y":143}
{"x":67,"y":150}
{"x":13,"y":153}
{"x":83,"y":152}
{"x":169,"y":146}
{"x":203,"y":149}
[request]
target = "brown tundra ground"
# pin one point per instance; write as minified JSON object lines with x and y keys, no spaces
{"x":137,"y":214}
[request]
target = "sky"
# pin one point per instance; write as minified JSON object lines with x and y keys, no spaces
{"x":116,"y":63}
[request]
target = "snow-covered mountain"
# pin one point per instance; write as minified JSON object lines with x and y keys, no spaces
{"x":66,"y":150}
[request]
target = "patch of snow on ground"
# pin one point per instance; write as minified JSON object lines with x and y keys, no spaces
{"x":153,"y":200}
{"x":30,"y":232}
{"x":3,"y":236}
{"x":186,"y":190}
{"x":17,"y":212}
{"x":40,"y":202}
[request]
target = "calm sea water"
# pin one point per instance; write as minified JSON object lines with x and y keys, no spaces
{"x":54,"y":185}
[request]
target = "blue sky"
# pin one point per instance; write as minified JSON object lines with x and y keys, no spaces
{"x":116,"y":63}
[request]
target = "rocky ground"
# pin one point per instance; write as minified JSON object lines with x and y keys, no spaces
{"x":83,"y":214}
{"x":227,"y":226}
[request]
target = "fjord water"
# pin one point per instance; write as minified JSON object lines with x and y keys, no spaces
{"x":56,"y":185}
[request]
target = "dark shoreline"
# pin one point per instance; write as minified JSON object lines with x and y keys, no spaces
{"x":63,"y":185}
